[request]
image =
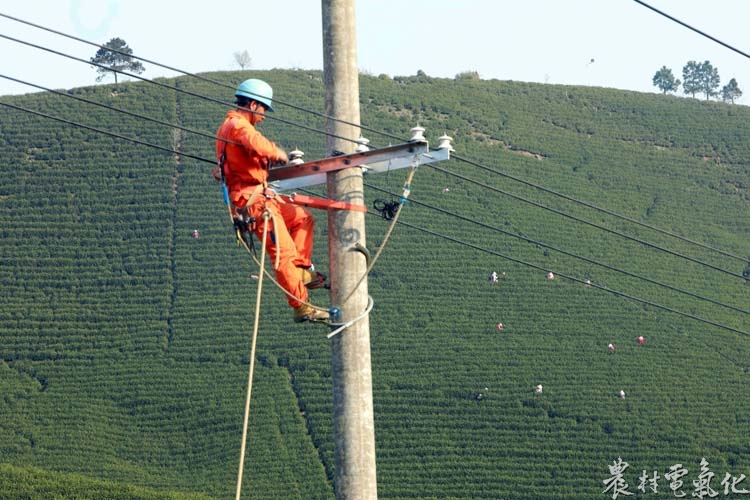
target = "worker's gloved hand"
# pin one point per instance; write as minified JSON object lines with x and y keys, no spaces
{"x":281,"y":157}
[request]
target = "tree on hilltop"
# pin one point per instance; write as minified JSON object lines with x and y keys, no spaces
{"x":709,"y":80}
{"x":115,"y":57}
{"x":665,"y":80}
{"x":691,"y":78}
{"x":700,"y":77}
{"x":731,"y":91}
{"x":243,"y":59}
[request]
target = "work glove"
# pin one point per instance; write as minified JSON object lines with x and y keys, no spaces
{"x":281,"y":157}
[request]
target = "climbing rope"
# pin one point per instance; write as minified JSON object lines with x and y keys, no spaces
{"x":394,"y":220}
{"x":393,"y":217}
{"x":240,"y":232}
{"x":249,"y":249}
{"x":266,"y":216}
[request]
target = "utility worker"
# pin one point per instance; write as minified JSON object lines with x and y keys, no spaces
{"x":244,"y":157}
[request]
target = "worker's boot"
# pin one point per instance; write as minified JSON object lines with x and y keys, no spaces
{"x":308,"y":313}
{"x":313,"y":279}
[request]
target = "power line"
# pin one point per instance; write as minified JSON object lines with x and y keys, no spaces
{"x":529,"y":240}
{"x":572,"y":278}
{"x":449,"y":238}
{"x":597,"y":208}
{"x":105,"y":132}
{"x":583,"y":221}
{"x":133,"y":75}
{"x":569,"y":198}
{"x":199,"y":77}
{"x":536,"y":186}
{"x":730,"y":47}
{"x":112,"y":108}
{"x":446,"y":237}
{"x":437,"y":168}
{"x":163,"y":85}
{"x":565,"y":252}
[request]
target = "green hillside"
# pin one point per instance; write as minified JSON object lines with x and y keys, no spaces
{"x":125,"y":340}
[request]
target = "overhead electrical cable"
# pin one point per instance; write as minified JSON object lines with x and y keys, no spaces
{"x":583,"y":221}
{"x":449,"y":238}
{"x":714,"y":39}
{"x":572,"y":278}
{"x":112,"y":108}
{"x":458,"y":157}
{"x":170,"y":87}
{"x":433,"y":166}
{"x":564,"y":252}
{"x":437,"y":168}
{"x":596,"y":207}
{"x":529,"y":240}
{"x":566,"y":276}
{"x":101,"y":131}
{"x":200,"y":77}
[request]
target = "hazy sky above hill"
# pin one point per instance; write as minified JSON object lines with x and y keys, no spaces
{"x":604,"y":43}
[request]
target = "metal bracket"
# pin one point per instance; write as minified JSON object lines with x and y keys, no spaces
{"x":375,"y":160}
{"x":321,"y":203}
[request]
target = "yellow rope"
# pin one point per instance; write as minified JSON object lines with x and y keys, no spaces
{"x":407,"y":188}
{"x":273,"y":219}
{"x":252,"y":359}
{"x":273,"y":280}
{"x":276,"y":265}
{"x":371,"y":265}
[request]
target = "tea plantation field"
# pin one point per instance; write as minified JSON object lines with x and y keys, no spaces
{"x":125,"y":339}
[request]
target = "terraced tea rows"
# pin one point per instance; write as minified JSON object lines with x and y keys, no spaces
{"x":125,"y":336}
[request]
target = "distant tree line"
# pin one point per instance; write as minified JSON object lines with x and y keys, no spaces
{"x":115,"y":57}
{"x":697,"y":78}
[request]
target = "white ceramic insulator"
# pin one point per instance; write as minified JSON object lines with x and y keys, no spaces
{"x":362,"y":145}
{"x":295,"y":157}
{"x":417,"y":134}
{"x":444,"y":142}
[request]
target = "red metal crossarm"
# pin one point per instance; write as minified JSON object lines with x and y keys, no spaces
{"x":321,"y":203}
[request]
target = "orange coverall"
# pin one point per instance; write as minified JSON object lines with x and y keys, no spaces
{"x":246,"y":156}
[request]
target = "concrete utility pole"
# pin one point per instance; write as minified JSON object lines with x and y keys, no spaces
{"x":353,"y":420}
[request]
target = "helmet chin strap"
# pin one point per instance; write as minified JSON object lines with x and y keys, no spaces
{"x":253,"y":112}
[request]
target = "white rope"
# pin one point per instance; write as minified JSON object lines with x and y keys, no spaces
{"x":274,"y":281}
{"x":343,"y":326}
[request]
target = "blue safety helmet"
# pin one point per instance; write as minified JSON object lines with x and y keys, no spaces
{"x":257,"y":90}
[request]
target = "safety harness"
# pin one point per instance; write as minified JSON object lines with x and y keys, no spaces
{"x":243,"y":222}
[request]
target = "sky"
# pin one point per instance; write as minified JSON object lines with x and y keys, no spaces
{"x":600,"y":43}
